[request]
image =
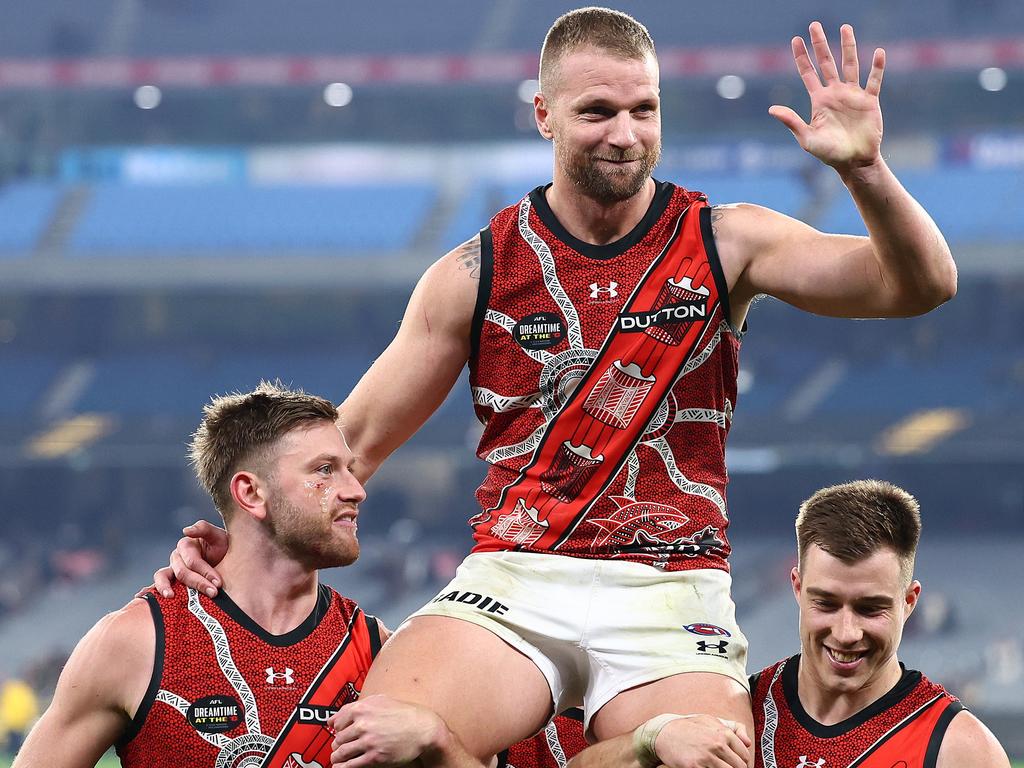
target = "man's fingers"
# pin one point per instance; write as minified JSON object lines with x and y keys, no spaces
{"x":823,"y":53}
{"x":804,"y":66}
{"x":851,"y":65}
{"x":738,"y":728}
{"x":189,"y":577}
{"x":874,"y":83}
{"x":163,"y":578}
{"x":790,"y":119}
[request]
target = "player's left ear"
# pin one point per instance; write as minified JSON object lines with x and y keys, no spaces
{"x":249,"y":494}
{"x":911,"y":597}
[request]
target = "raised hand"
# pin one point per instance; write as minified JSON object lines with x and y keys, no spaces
{"x":845,"y":129}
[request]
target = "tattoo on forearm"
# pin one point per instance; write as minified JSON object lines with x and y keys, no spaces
{"x":716,"y":214}
{"x":468,"y":256}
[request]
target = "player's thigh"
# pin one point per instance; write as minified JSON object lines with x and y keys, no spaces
{"x":488,"y":693}
{"x":684,"y":694}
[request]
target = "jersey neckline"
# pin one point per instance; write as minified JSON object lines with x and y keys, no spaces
{"x":907,"y":682}
{"x":662,"y":195}
{"x":300,"y":633}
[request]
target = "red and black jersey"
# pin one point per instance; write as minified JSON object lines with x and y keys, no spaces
{"x":902,"y":729}
{"x":225,"y":693}
{"x":605,"y":377}
{"x":553,"y":747}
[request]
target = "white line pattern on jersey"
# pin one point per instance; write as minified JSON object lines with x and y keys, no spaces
{"x":547,"y":268}
{"x":702,"y":415}
{"x":222,"y":649}
{"x":683,"y":483}
{"x":503,"y":403}
{"x":516,"y":449}
{"x":771,"y":723}
{"x":180,"y":704}
{"x":551,"y":734}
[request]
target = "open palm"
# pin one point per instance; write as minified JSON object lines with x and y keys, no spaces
{"x":845,"y":129}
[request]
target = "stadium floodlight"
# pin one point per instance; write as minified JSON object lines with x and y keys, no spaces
{"x":731,"y":86}
{"x":992,"y":78}
{"x":527,"y":89}
{"x":338,"y":94}
{"x":148,"y":97}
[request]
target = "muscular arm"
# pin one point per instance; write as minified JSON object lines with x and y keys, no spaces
{"x":969,"y":744}
{"x":383,"y":732}
{"x":694,"y":741}
{"x":97,"y":694}
{"x":902,"y":268}
{"x":412,"y":377}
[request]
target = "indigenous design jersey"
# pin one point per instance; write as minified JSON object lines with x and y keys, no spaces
{"x":902,"y":729}
{"x":605,"y":377}
{"x":227,"y":694}
{"x":553,"y":747}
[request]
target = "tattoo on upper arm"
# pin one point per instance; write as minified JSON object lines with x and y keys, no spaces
{"x":716,"y":214}
{"x":468,"y":256}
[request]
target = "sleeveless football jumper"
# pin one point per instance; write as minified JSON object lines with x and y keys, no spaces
{"x":902,"y":728}
{"x":605,"y":377}
{"x":225,"y":693}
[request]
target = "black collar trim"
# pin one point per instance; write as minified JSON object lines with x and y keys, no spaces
{"x":662,"y":196}
{"x":907,"y":682}
{"x":300,"y":633}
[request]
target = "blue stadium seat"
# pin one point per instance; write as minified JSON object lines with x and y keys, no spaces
{"x":25,"y":208}
{"x":277,"y":219}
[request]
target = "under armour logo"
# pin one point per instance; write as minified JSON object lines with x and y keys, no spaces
{"x":596,"y":290}
{"x":704,"y":645}
{"x":804,"y":764}
{"x":273,"y":677}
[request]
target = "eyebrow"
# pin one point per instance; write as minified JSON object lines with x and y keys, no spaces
{"x":867,"y":599}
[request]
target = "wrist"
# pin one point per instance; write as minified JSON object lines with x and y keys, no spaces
{"x":864,"y":173}
{"x":438,"y":745}
{"x":646,"y":736}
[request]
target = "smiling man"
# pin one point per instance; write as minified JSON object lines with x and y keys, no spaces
{"x":846,"y":699}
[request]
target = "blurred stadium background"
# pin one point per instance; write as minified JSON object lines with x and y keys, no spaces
{"x":196,"y":195}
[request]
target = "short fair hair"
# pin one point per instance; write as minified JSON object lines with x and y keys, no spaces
{"x":238,"y":431}
{"x":616,"y":32}
{"x":854,"y":520}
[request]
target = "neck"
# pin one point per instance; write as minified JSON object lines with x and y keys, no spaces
{"x":275,"y":591}
{"x":592,"y":221}
{"x":830,"y":706}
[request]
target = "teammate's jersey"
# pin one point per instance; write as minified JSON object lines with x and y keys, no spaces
{"x":903,"y":728}
{"x":605,"y":377}
{"x":223,"y":689}
{"x":553,"y":747}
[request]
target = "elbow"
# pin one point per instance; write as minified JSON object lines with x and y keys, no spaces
{"x":931,"y":292}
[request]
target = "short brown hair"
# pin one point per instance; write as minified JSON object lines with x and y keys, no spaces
{"x":853,"y":520}
{"x":237,"y":429}
{"x":613,"y":31}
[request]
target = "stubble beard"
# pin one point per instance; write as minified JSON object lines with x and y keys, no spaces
{"x":309,"y":539}
{"x":612,"y":185}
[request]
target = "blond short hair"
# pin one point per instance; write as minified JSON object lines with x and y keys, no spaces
{"x":238,"y":431}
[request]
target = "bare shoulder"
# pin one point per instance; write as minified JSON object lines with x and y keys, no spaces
{"x":969,"y":744}
{"x":115,"y":658}
{"x":447,"y":292}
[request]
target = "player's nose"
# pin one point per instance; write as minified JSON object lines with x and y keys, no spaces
{"x":621,"y":132}
{"x":847,"y":629}
{"x":351,"y":490}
